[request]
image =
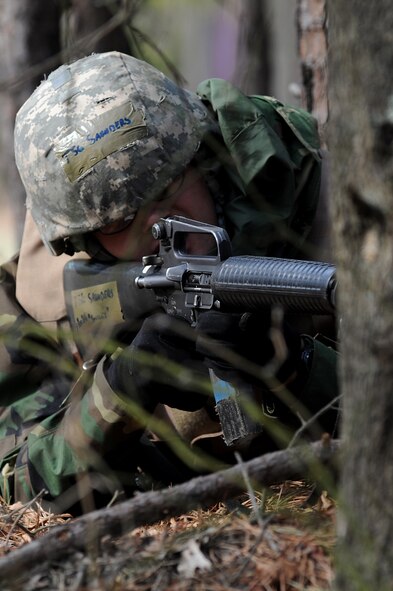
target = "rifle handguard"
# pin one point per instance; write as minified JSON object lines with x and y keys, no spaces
{"x":247,"y":282}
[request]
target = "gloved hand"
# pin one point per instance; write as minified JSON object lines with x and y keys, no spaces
{"x":161,"y":366}
{"x":248,"y":342}
{"x":249,"y":359}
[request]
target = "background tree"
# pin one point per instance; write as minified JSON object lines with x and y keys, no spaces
{"x":35,"y":37}
{"x":312,"y":37}
{"x":201,"y":42}
{"x":29,"y":35}
{"x":88,"y":25}
{"x":252,"y":73}
{"x":361,"y":146}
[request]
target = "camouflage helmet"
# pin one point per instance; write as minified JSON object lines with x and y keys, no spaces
{"x":99,"y":137}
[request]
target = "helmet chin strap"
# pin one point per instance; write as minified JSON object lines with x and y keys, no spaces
{"x":89,"y":244}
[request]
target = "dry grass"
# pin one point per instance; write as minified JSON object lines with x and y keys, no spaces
{"x":286,"y":546}
{"x":20,"y":524}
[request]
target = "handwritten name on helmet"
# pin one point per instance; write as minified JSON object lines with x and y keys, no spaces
{"x":112,"y":131}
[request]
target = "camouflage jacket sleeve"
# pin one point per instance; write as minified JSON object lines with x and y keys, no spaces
{"x":275,"y":149}
{"x":54,"y":425}
{"x":20,"y":372}
{"x":73,"y":432}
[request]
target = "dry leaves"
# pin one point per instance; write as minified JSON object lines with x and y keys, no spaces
{"x":286,"y":547}
{"x":290,"y":551}
{"x":20,"y":524}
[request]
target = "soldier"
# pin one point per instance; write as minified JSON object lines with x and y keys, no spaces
{"x":106,"y":146}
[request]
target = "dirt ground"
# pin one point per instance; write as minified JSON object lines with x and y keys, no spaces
{"x":281,"y":541}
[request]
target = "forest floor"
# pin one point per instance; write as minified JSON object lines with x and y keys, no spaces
{"x":282,"y":540}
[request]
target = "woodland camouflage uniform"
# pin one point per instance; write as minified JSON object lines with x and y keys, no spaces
{"x":47,"y":436}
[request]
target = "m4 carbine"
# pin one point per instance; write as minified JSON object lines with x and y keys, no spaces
{"x":192,"y":272}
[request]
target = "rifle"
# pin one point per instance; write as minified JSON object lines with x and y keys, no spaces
{"x":186,"y":282}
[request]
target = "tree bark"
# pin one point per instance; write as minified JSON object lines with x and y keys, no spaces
{"x":29,"y":34}
{"x":150,"y":507}
{"x":361,"y":145}
{"x":252,"y":72}
{"x":84,"y":17}
{"x":35,"y":37}
{"x":312,"y":36}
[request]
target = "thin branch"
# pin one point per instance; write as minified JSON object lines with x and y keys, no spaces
{"x":20,"y":512}
{"x":311,"y":420}
{"x":249,"y":488}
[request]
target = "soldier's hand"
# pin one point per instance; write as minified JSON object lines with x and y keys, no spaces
{"x":161,"y":366}
{"x":239,"y":344}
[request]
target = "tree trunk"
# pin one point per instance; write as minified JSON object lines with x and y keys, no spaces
{"x":84,"y":17}
{"x":252,"y":73}
{"x":32,"y":35}
{"x":29,"y":34}
{"x":361,"y":144}
{"x":312,"y":35}
{"x":313,"y":49}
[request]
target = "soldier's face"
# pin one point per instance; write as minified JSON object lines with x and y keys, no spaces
{"x":187,"y":196}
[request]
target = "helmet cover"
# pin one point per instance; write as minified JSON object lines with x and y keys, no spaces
{"x":98,"y":138}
